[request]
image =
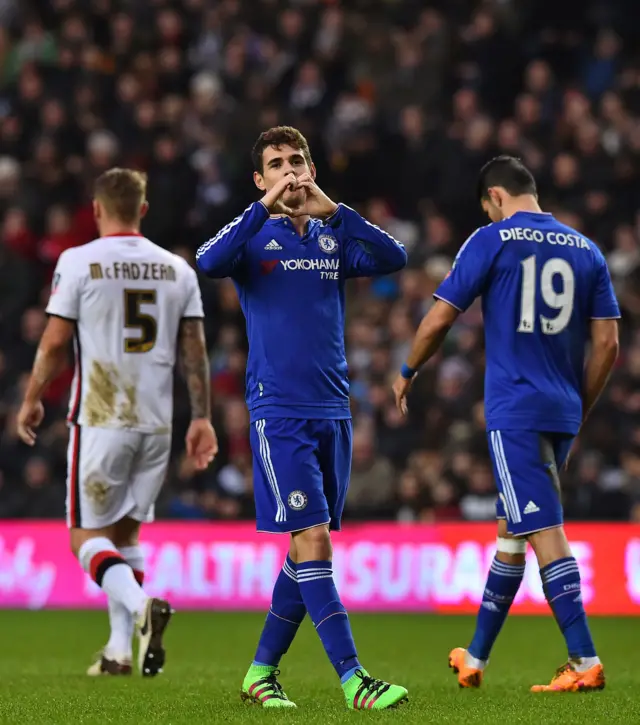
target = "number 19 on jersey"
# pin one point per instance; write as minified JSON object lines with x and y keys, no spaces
{"x":560,"y":301}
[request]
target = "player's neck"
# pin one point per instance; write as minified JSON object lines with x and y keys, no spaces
{"x":521,"y":203}
{"x":114,"y":228}
{"x":300,"y":224}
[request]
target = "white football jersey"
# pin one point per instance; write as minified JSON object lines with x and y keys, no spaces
{"x":127,"y":297}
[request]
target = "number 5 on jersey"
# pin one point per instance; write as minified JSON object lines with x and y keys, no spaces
{"x":136,"y":319}
{"x":561,"y":301}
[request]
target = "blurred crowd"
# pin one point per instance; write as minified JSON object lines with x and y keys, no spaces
{"x":402,"y":101}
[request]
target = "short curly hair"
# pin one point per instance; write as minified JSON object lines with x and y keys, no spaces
{"x":279,"y":136}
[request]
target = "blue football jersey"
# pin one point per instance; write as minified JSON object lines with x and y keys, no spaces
{"x":292,"y":292}
{"x":541,"y":284}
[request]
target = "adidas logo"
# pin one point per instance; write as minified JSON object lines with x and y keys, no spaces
{"x":530,"y":508}
{"x":273,"y":246}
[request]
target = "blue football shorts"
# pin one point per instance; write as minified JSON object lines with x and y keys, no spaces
{"x":526,"y":465}
{"x":301,"y":471}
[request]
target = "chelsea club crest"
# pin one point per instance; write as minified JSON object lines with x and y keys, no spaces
{"x":297,"y":500}
{"x":328,"y":243}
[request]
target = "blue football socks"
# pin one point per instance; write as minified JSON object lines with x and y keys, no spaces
{"x":500,"y":590}
{"x":284,"y":618}
{"x":561,"y":584}
{"x":319,"y":593}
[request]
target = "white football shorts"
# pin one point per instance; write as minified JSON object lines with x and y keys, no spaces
{"x":112,"y":474}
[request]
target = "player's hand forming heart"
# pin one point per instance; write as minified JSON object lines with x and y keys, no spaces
{"x":318,"y":204}
{"x":400,"y":389}
{"x":272,"y":199}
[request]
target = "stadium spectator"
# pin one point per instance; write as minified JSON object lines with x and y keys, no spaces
{"x":401,"y":106}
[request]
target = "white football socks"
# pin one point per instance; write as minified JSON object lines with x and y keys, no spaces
{"x":98,"y":557}
{"x":474,"y":662}
{"x":119,"y":646}
{"x":121,"y":621}
{"x":118,"y":582}
{"x":585,"y":663}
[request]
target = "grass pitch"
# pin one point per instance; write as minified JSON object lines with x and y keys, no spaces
{"x":43,"y":656}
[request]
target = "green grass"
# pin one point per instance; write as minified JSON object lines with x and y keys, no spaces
{"x":43,"y":656}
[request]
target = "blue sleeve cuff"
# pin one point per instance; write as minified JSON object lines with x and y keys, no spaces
{"x":439,"y":296}
{"x":335,"y":219}
{"x":261,"y":203}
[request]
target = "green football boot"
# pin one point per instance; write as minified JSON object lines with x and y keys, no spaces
{"x":261,"y":686}
{"x":363,"y":692}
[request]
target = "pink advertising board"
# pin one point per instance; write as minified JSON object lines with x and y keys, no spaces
{"x":378,"y":567}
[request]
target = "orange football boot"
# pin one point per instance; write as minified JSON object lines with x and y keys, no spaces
{"x":467,"y":676}
{"x":567,"y":679}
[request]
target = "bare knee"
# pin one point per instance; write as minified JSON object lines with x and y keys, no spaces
{"x":77,"y":537}
{"x":550,"y":545}
{"x":126,"y":532}
{"x":123,"y":533}
{"x":510,"y":549}
{"x":311,"y":545}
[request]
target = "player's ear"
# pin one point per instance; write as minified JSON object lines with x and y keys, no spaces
{"x":144,"y":209}
{"x":259,"y":181}
{"x":312,"y":171}
{"x":97,"y":210}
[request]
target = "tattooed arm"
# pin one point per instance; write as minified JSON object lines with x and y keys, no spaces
{"x":194,"y":364}
{"x":50,"y":359}
{"x":201,"y":441}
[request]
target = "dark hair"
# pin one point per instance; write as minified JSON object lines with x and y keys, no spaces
{"x":508,"y":172}
{"x":279,"y":136}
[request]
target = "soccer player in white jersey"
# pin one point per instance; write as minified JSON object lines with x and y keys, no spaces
{"x":129,"y":307}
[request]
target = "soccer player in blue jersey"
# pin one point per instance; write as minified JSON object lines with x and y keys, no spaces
{"x":546,"y":294}
{"x":289,"y":255}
